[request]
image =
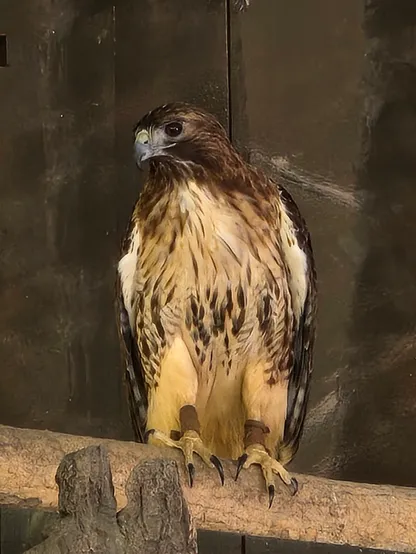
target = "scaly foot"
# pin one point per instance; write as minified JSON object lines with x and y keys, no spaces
{"x":189,"y":443}
{"x":257,"y":454}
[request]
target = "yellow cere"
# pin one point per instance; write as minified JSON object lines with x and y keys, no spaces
{"x":142,"y":137}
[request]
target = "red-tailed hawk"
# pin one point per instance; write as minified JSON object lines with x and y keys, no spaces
{"x":217,"y":300}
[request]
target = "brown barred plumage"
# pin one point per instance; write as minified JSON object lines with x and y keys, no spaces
{"x":217,"y":295}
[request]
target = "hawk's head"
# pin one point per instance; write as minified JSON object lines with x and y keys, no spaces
{"x":182,"y":134}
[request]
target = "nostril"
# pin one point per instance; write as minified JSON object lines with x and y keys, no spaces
{"x":143,"y":138}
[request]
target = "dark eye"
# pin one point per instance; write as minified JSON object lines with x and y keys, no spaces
{"x":173,"y":129}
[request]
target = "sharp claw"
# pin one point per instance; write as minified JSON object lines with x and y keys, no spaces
{"x":218,"y":466}
{"x":191,"y":473}
{"x":271,"y":495}
{"x":294,"y":486}
{"x":241,"y":461}
{"x":147,"y":434}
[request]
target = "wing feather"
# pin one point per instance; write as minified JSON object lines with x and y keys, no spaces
{"x":303,"y":286}
{"x":133,"y":369}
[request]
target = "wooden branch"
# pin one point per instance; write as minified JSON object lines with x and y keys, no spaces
{"x":323,"y":511}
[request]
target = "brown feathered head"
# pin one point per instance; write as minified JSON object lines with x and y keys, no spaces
{"x":181,"y":134}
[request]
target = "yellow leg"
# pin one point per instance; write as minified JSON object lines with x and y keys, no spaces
{"x":172,"y":408}
{"x":190,"y":443}
{"x":265,"y":406}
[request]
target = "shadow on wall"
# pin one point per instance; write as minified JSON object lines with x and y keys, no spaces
{"x":377,"y":439}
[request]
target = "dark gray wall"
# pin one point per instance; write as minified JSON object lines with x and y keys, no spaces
{"x":58,"y":356}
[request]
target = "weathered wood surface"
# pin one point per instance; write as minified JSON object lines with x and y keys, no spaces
{"x":156,"y":519}
{"x":323,"y":511}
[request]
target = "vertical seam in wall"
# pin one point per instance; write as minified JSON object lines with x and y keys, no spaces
{"x":243,"y":544}
{"x":229,"y":67}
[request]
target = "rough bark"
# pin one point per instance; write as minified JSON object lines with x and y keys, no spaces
{"x":155,"y":521}
{"x":323,"y":510}
{"x":156,"y":518}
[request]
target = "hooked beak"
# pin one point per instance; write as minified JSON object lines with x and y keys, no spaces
{"x":146,"y":147}
{"x":143,"y":149}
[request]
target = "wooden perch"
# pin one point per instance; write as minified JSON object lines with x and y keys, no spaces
{"x":324,"y":511}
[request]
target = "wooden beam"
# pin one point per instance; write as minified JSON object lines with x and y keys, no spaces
{"x":324,"y":511}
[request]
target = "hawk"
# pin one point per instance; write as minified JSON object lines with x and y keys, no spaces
{"x":216,"y":301}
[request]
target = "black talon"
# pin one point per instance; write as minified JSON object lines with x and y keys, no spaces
{"x":271,"y":495}
{"x":191,"y":473}
{"x":294,"y":485}
{"x":147,"y":435}
{"x":241,"y":461}
{"x":219,"y":467}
